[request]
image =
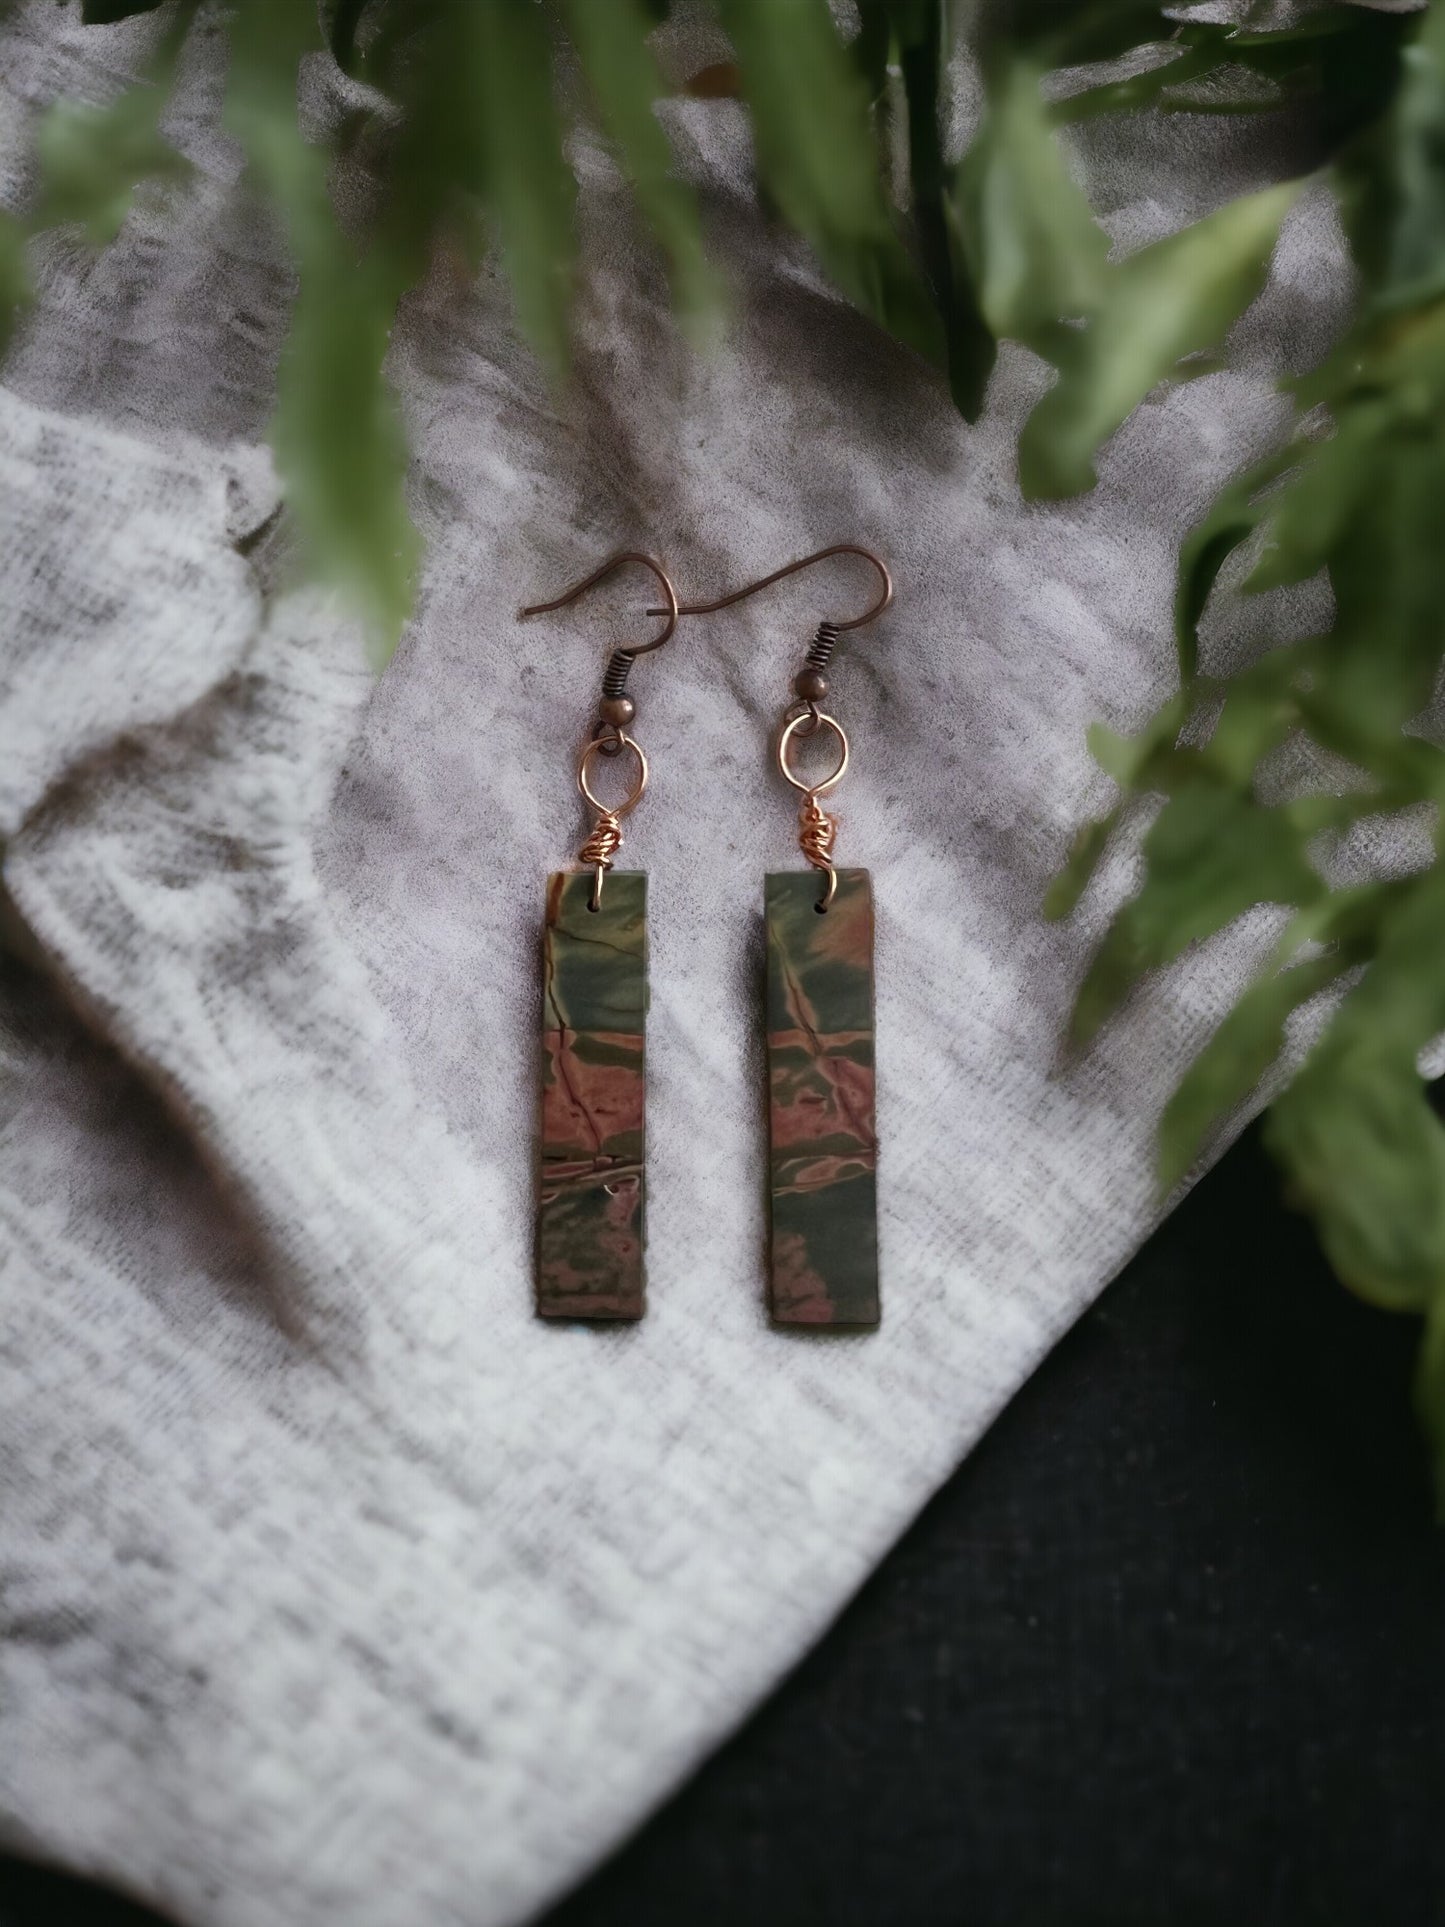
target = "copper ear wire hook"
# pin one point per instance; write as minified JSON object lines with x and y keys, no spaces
{"x":614,"y":562}
{"x":610,"y":737}
{"x":816,"y":829}
{"x":792,"y":568}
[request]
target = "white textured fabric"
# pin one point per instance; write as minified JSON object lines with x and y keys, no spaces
{"x":335,"y":1587}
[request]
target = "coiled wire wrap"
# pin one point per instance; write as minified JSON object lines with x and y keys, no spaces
{"x":602,"y":844}
{"x":816,"y":829}
{"x":598,"y":851}
{"x":605,"y":838}
{"x":816,"y":833}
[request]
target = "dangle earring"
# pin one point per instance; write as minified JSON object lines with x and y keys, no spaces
{"x":823,"y":1150}
{"x":591,"y":1207}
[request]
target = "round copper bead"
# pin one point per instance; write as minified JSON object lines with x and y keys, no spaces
{"x":618,"y":711}
{"x":811,"y":685}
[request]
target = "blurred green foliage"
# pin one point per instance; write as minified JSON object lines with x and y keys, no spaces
{"x":1355,"y":493}
{"x":952,"y":256}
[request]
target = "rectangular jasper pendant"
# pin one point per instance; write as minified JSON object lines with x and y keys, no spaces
{"x":823,"y":1142}
{"x":590,"y":1213}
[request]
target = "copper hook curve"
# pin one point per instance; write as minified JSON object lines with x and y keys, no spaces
{"x":613,"y":562}
{"x":792,"y":568}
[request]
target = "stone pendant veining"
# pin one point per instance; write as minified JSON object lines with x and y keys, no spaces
{"x":592,"y":1189}
{"x":823,"y":1148}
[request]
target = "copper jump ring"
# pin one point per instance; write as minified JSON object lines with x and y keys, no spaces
{"x":597,"y":745}
{"x":791,"y":728}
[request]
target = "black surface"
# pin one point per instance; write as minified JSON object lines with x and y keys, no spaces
{"x":1169,"y":1649}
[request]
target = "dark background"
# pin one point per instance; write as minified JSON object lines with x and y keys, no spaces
{"x":1168,"y":1651}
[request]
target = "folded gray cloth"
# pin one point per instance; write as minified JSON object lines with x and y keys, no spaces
{"x":336,"y":1588}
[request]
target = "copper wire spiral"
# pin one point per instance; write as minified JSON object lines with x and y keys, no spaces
{"x":605,"y":839}
{"x":598,"y":851}
{"x":603,"y":843}
{"x":816,"y":833}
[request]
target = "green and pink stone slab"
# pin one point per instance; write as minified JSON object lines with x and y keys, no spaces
{"x":590,"y":1213}
{"x":823,"y":1141}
